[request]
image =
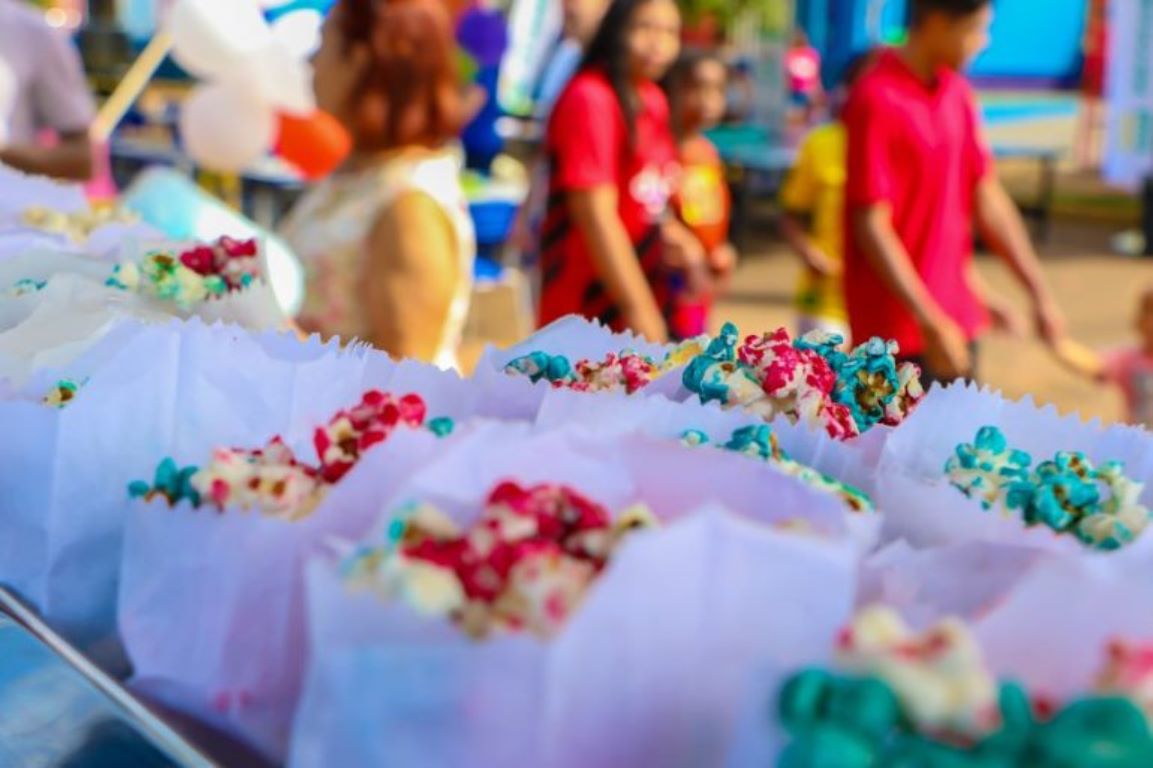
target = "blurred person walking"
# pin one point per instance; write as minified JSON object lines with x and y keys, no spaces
{"x":42,"y":90}
{"x":803,"y":72}
{"x":919,"y":176}
{"x":582,"y":18}
{"x":613,"y":166}
{"x":812,"y":221}
{"x":387,"y":241}
{"x":696,"y":90}
{"x":1095,"y":61}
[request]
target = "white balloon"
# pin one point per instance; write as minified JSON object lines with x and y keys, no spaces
{"x":276,"y":77}
{"x":299,"y":32}
{"x":224,"y":128}
{"x":211,"y":37}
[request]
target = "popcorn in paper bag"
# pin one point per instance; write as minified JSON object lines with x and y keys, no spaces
{"x":810,"y":380}
{"x":1098,"y":505}
{"x":524,"y":565}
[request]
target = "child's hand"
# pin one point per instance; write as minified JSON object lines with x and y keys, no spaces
{"x":722,"y":263}
{"x":1005,"y":317}
{"x":819,"y":263}
{"x":683,"y":251}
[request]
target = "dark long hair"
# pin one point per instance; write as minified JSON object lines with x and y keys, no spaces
{"x":609,"y":52}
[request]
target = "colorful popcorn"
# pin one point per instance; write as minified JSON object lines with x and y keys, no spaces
{"x":626,"y":372}
{"x":269,"y":480}
{"x":523,"y":566}
{"x":809,"y":380}
{"x":1098,"y":505}
{"x":170,"y":482}
{"x":341,"y":442}
{"x":939,"y":675}
{"x":25,"y":287}
{"x":989,"y":471}
{"x":759,"y":442}
{"x":61,"y":394}
{"x":273,"y":480}
{"x":193,"y":276}
{"x":76,"y":226}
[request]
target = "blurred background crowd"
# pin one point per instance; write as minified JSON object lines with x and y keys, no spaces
{"x":450,"y":173}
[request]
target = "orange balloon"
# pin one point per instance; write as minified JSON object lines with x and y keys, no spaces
{"x":315,"y":144}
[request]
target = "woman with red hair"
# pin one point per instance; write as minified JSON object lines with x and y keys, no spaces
{"x":387,"y":241}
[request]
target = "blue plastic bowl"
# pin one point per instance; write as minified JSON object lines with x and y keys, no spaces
{"x":493,"y":221}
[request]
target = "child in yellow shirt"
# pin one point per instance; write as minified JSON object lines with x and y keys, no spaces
{"x":813,"y":225}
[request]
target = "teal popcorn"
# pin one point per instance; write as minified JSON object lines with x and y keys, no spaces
{"x":1105,"y":732}
{"x":170,"y":482}
{"x":987,"y":470}
{"x":1066,"y":490}
{"x":723,"y":382}
{"x":867,"y":381}
{"x":757,"y":441}
{"x":541,"y":366}
{"x":694,"y":438}
{"x":26,"y":286}
{"x":724,"y":347}
{"x":840,"y":721}
{"x":442,"y":426}
{"x":827,"y":345}
{"x":1067,"y":494}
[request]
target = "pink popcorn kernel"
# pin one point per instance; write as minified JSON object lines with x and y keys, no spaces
{"x":340,"y":443}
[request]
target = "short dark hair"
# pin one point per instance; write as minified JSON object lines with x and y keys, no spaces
{"x":921,"y":9}
{"x":857,"y":66}
{"x":681,"y":76}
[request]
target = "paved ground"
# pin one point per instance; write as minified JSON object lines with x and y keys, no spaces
{"x":1098,"y":291}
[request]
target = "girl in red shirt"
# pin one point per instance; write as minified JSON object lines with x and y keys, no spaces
{"x":613,"y":166}
{"x":696,"y":89}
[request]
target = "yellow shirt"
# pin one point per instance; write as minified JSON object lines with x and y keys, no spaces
{"x":816,"y":187}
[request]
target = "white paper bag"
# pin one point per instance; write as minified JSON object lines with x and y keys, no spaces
{"x":921,"y":506}
{"x":577,"y":338}
{"x":255,"y":308}
{"x":63,"y":480}
{"x":234,"y":582}
{"x":966,"y":580}
{"x":652,"y":670}
{"x":1052,"y":632}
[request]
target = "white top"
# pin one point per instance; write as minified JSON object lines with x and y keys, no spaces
{"x":329,"y":228}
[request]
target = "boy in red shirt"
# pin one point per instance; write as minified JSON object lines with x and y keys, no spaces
{"x":919,"y":176}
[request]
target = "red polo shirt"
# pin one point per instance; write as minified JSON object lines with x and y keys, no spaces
{"x":919,"y":148}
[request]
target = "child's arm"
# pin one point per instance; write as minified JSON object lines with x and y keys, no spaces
{"x":797,"y":236}
{"x":684,"y":253}
{"x":595,"y":214}
{"x":799,"y":195}
{"x":723,"y":263}
{"x":1002,"y":311}
{"x":522,"y":237}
